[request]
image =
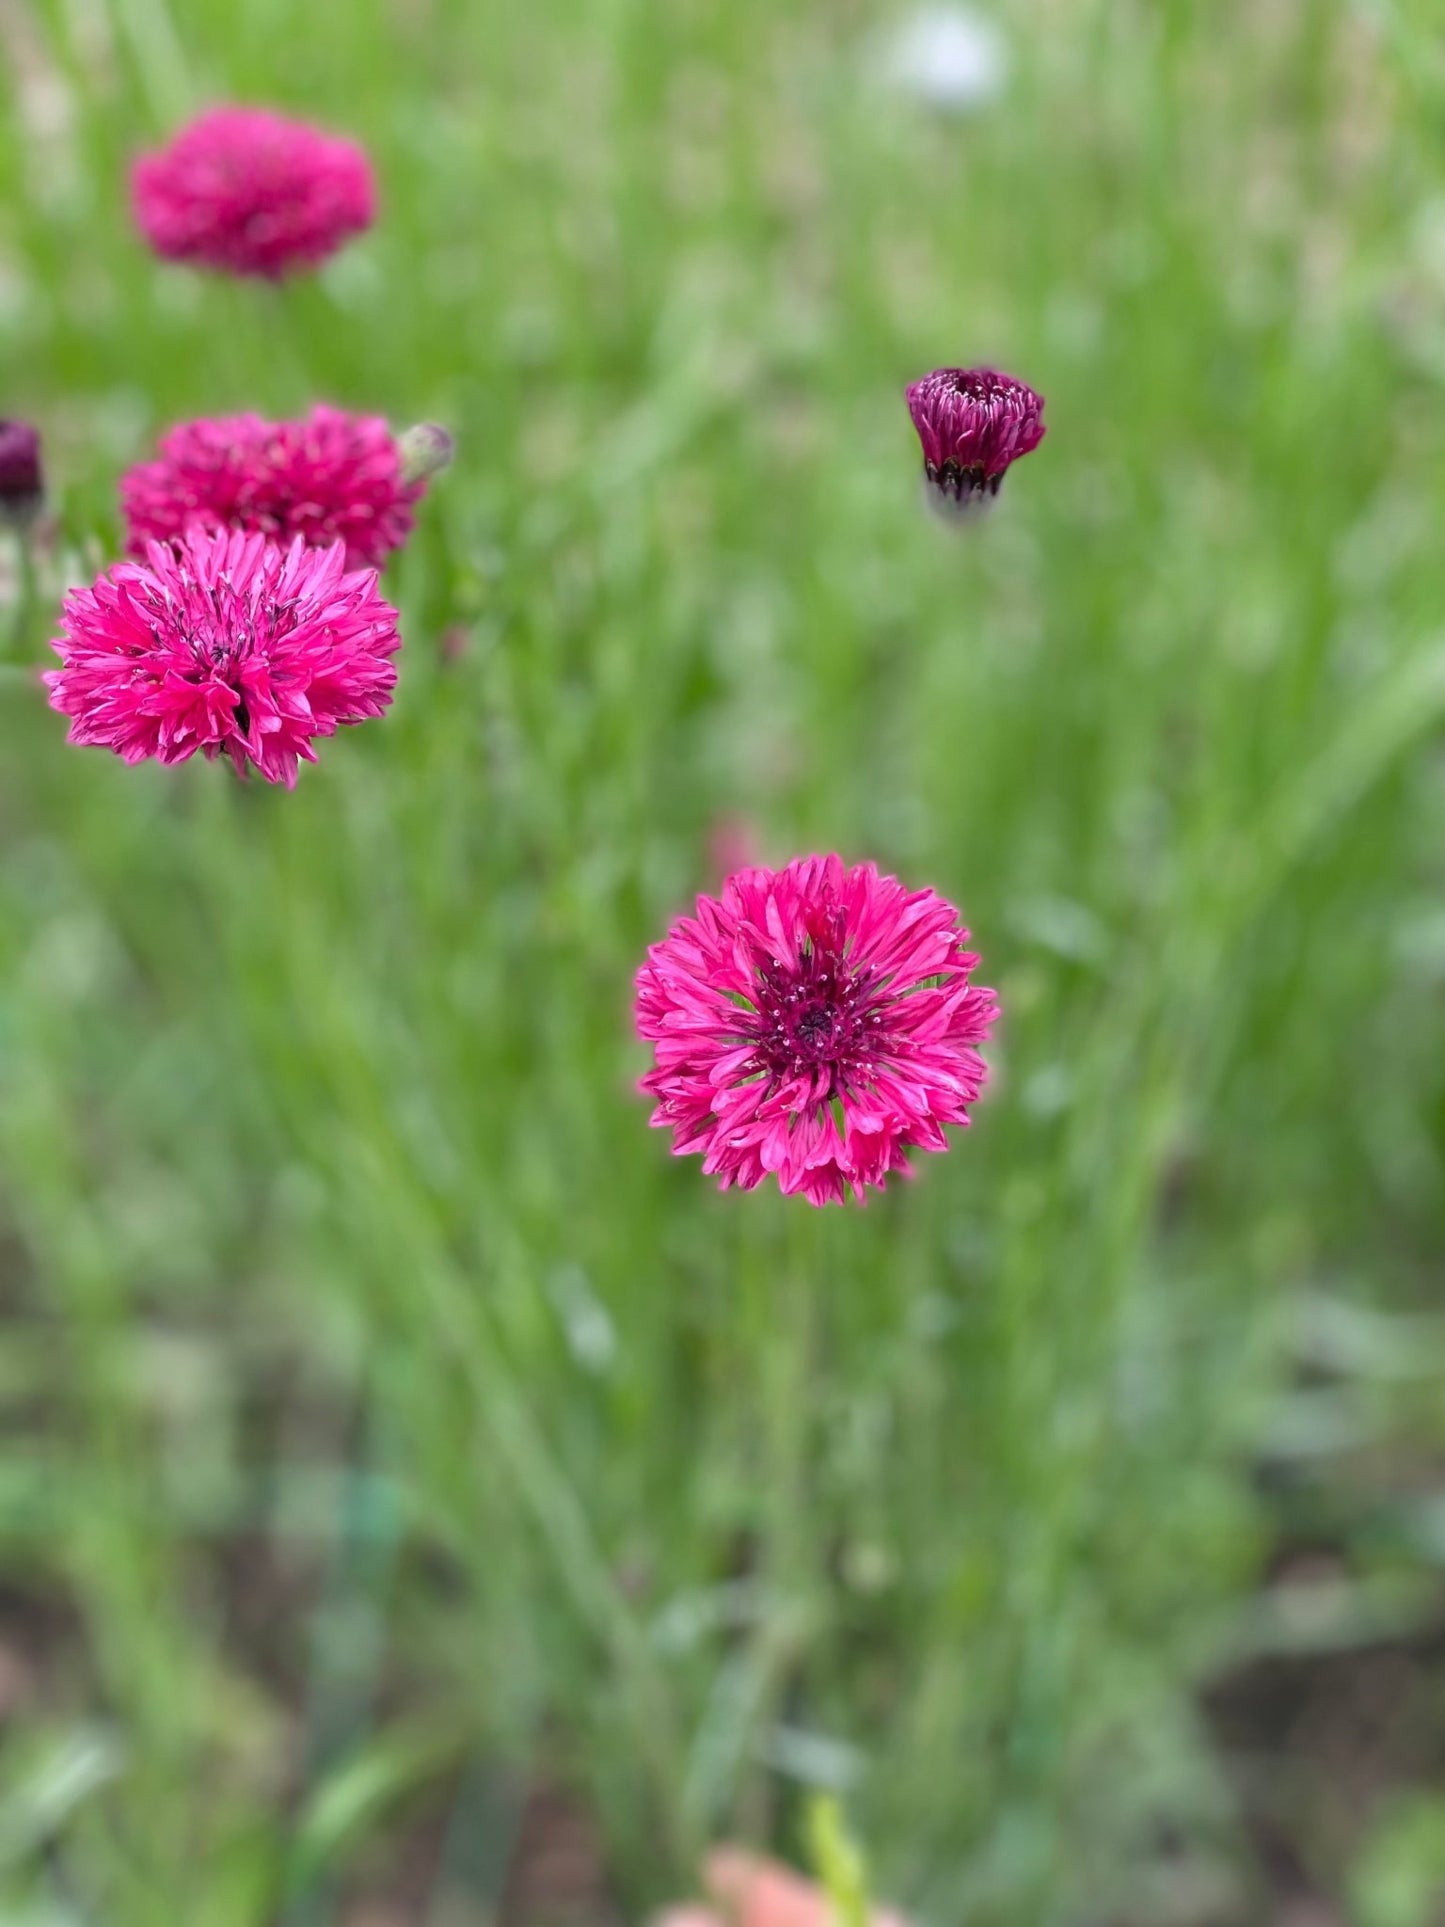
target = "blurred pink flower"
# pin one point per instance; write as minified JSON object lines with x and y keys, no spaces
{"x":816,"y":1022}
{"x":973,"y":423}
{"x":252,"y":192}
{"x":329,"y":477}
{"x":732,"y":844}
{"x":227,"y":644}
{"x":746,"y":1890}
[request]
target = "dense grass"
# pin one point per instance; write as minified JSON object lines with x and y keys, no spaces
{"x":388,"y":1415}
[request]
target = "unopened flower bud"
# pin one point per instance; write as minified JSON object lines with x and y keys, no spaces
{"x":424,"y":450}
{"x":22,"y":486}
{"x":973,"y":423}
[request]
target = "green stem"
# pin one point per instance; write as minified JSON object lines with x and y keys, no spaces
{"x":780,"y":1248}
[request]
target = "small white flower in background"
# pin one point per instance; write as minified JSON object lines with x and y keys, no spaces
{"x":953,"y":58}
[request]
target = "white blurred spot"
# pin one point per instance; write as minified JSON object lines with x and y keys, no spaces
{"x":815,"y":1759}
{"x":953,"y":58}
{"x":591,"y":1335}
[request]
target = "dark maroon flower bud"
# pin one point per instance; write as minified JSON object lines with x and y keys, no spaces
{"x":22,"y":488}
{"x":972,"y":423}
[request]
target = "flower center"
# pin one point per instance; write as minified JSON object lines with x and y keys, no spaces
{"x":814,"y":1029}
{"x":820,"y":1018}
{"x":234,"y":630}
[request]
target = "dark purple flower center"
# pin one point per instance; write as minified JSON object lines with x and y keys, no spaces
{"x":982,"y":385}
{"x":815,"y":1029}
{"x":822,"y":1015}
{"x":238,"y":629}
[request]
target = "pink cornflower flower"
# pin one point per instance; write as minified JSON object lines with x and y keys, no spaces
{"x":814,"y":1021}
{"x":330,"y":477}
{"x":227,"y":644}
{"x":973,"y":423}
{"x":252,"y":192}
{"x":747,"y":1890}
{"x":22,"y":486}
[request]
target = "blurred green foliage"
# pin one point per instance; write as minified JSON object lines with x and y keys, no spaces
{"x":1401,"y":1878}
{"x":387,"y":1414}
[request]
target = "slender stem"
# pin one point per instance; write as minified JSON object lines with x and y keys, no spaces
{"x":14,"y":563}
{"x":780,"y":1259}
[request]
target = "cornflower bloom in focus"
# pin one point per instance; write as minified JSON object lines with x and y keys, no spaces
{"x":973,"y":424}
{"x":225,"y":644}
{"x":815,"y":1021}
{"x":252,"y":192}
{"x":327,"y":478}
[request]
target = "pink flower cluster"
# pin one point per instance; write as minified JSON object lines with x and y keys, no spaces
{"x":814,"y":1022}
{"x":248,"y":623}
{"x":817,"y":1023}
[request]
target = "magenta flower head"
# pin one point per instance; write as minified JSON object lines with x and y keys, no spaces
{"x":227,"y":644}
{"x":973,"y":423}
{"x":817,"y":1022}
{"x":22,"y":485}
{"x":251,"y":192}
{"x":331,"y":477}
